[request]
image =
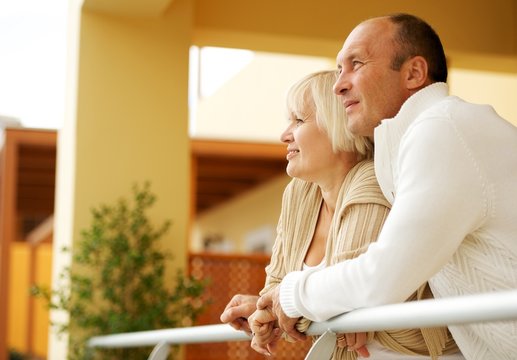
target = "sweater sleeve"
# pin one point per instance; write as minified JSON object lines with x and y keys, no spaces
{"x":275,"y":271}
{"x":440,"y":199}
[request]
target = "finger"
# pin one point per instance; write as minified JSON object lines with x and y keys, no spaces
{"x":360,"y":340}
{"x":233,"y":302}
{"x":245,"y":326}
{"x":350,"y":340}
{"x":238,"y":309}
{"x":265,"y":334}
{"x":265,"y":340}
{"x":363,"y":351}
{"x":241,"y":324}
{"x":272,"y":346}
{"x":234,"y":314}
{"x":261,"y":332}
{"x":296,"y":335}
{"x":260,"y":349}
{"x":287,"y":324}
{"x":265,"y":301}
{"x":341,"y":341}
{"x":228,"y":315}
{"x":237,"y":324}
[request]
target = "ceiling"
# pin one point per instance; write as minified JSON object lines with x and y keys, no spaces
{"x":223,"y":170}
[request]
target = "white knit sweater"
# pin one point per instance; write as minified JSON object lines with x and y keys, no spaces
{"x":450,"y":170}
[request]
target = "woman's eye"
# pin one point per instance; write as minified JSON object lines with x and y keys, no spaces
{"x":298,"y":121}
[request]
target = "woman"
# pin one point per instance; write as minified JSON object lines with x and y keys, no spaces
{"x":331,"y":211}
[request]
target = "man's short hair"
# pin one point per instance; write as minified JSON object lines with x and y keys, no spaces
{"x":415,"y":37}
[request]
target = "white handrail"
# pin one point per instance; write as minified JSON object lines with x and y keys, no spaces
{"x":489,"y":307}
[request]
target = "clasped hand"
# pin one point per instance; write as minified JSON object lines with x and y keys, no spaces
{"x":264,"y":319}
{"x":269,"y":321}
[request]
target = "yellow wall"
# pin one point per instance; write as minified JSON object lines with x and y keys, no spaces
{"x":497,"y":89}
{"x":43,"y":259}
{"x":18,"y":299}
{"x":132,"y":115}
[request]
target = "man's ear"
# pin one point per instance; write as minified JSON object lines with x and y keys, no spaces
{"x":416,"y":71}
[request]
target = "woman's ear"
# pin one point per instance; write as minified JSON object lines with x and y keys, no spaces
{"x":416,"y":71}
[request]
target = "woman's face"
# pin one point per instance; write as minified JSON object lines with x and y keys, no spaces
{"x":309,"y":151}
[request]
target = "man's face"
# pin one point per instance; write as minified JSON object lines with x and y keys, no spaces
{"x":370,"y":89}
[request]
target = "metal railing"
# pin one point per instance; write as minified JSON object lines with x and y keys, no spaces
{"x":488,"y":307}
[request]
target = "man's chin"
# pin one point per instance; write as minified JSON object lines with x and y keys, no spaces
{"x":355,"y":127}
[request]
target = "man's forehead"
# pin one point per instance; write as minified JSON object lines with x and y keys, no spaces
{"x":365,"y":35}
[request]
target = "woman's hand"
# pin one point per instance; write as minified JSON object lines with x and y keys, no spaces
{"x":264,"y":331}
{"x":271,"y":300}
{"x":354,"y":342}
{"x":238,"y":310}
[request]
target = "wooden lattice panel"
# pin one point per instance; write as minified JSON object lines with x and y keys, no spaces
{"x":230,"y":275}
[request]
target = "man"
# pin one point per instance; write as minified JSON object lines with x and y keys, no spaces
{"x":448,"y":167}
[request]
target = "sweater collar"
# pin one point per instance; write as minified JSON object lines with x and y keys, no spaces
{"x":388,"y":135}
{"x":412,"y":108}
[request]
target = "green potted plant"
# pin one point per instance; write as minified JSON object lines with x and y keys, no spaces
{"x":118,"y":283}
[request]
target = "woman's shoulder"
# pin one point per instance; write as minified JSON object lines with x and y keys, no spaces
{"x":361,"y":185}
{"x":364,"y":171}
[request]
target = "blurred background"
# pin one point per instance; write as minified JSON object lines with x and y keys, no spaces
{"x":188,"y":94}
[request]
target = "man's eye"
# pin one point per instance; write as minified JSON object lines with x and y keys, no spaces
{"x":356,"y":64}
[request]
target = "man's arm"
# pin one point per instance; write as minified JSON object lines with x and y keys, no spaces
{"x":440,"y":199}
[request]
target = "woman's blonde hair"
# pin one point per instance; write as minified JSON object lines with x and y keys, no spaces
{"x":315,"y":91}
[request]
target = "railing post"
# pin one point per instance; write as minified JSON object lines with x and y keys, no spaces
{"x":160,"y":351}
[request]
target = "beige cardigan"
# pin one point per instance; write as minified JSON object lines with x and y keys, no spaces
{"x":361,"y":210}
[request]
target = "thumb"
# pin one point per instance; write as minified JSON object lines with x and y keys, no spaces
{"x":264,"y":301}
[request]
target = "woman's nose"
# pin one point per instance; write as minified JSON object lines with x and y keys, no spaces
{"x":287,"y":135}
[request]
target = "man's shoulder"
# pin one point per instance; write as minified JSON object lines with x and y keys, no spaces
{"x":455,"y":108}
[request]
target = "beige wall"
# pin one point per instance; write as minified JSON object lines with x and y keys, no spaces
{"x":495,"y":88}
{"x":129,"y":124}
{"x":251,"y":105}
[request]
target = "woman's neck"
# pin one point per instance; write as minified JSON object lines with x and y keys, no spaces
{"x":330,"y":185}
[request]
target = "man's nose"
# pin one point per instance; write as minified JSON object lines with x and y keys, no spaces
{"x":342,"y":84}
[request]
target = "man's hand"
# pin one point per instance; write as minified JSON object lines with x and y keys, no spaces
{"x":238,"y":310}
{"x":271,"y":300}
